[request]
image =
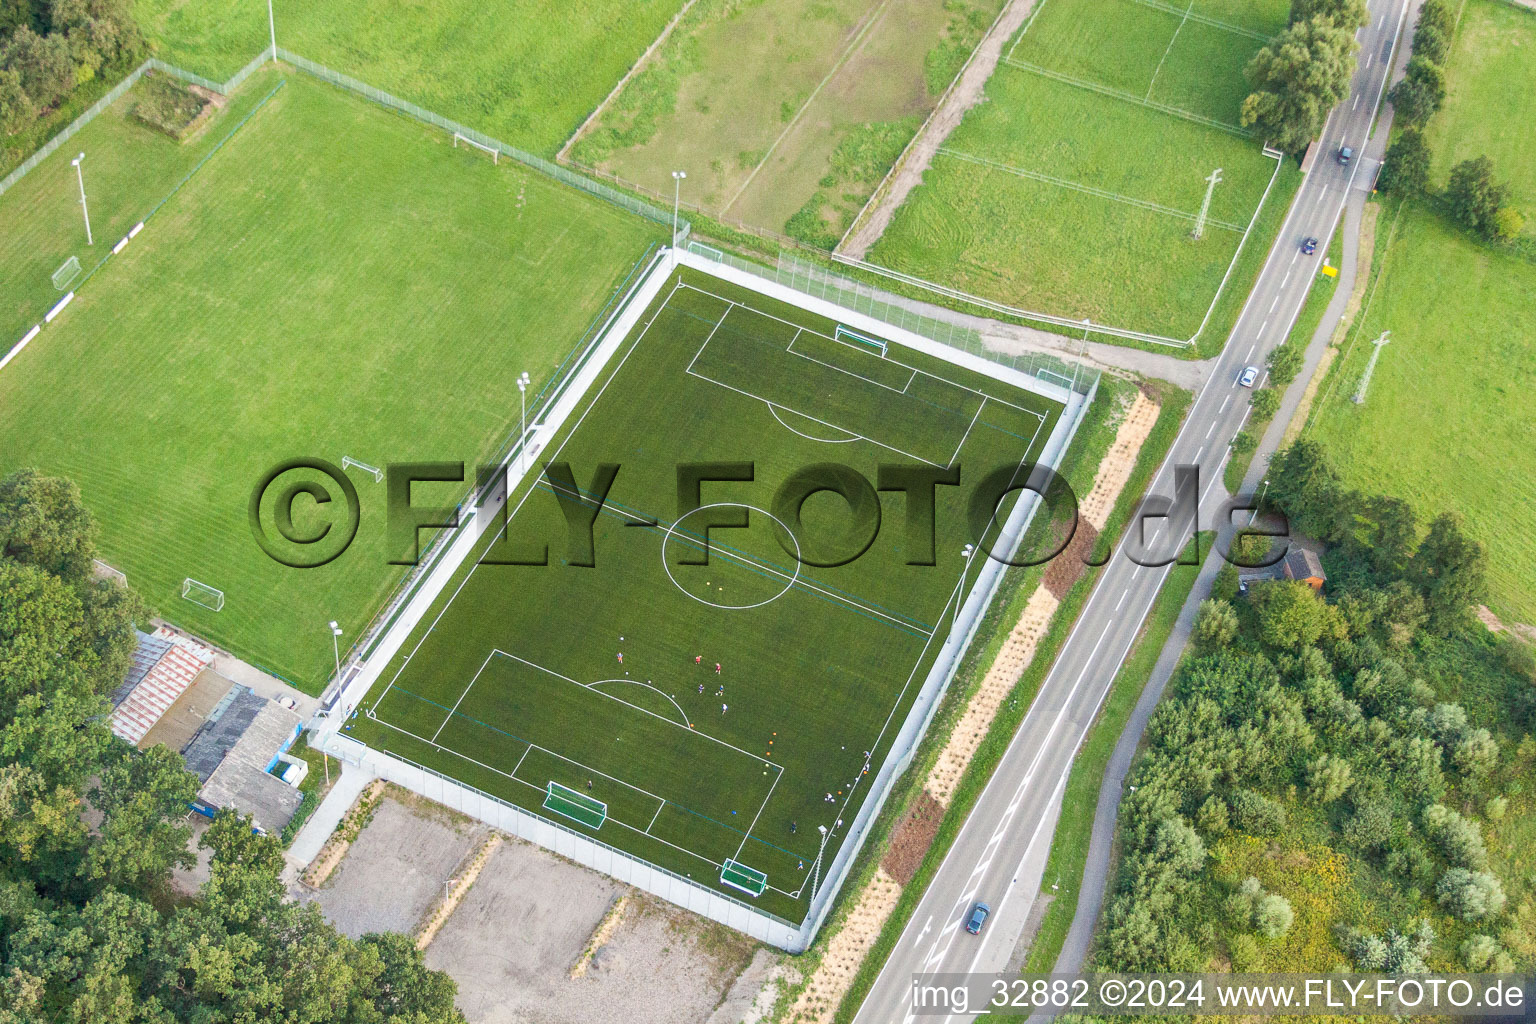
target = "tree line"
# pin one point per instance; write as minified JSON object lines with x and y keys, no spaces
{"x":1303,"y":72}
{"x":1473,"y":196}
{"x":91,"y":929}
{"x":1338,"y":721}
{"x":50,"y":47}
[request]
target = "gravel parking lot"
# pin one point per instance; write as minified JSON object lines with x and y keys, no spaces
{"x":394,"y":872}
{"x":513,"y":940}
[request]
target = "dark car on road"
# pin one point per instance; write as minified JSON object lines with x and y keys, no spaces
{"x":978,"y":918}
{"x":1346,"y":154}
{"x":1309,"y":245}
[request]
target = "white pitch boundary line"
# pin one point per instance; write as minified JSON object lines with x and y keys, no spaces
{"x":906,"y":622}
{"x":842,"y":59}
{"x":526,"y":495}
{"x":540,"y":789}
{"x":574,"y":429}
{"x":1169,"y":49}
{"x":809,"y":437}
{"x":790,"y":348}
{"x":926,"y":373}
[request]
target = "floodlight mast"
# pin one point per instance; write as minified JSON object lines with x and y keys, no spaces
{"x":677,"y":194}
{"x":522,"y":393}
{"x":86,"y":210}
{"x":272,"y":28}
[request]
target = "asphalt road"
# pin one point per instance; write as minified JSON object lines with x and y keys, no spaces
{"x":998,"y":854}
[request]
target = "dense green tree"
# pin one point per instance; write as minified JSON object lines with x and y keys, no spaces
{"x":1417,"y":97}
{"x":142,"y":798}
{"x":44,"y":523}
{"x":1215,"y":624}
{"x":1291,"y":615}
{"x":1405,"y":169}
{"x":1439,"y":15}
{"x":1459,"y":840}
{"x":1285,"y":362}
{"x":1431,"y":43}
{"x":1474,"y":197}
{"x":1449,"y":568}
{"x":42,"y":63}
{"x":1265,"y":402}
{"x":16,"y":110}
{"x":1470,"y":895}
{"x":1297,"y":78}
{"x":1341,"y":12}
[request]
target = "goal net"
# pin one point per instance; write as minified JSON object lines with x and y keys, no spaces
{"x":848,"y":336}
{"x":202,"y":594}
{"x":348,"y":462}
{"x":495,"y":153}
{"x":738,"y":876}
{"x":569,"y":803}
{"x":67,"y":272}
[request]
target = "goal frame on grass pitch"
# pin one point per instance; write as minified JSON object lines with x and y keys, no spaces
{"x":202,"y":594}
{"x":849,"y":336}
{"x":578,"y":807}
{"x":495,"y":153}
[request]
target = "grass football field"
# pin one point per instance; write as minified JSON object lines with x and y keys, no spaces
{"x":716,"y":684}
{"x":334,"y":280}
{"x":785,"y":115}
{"x":1073,"y":188}
{"x":525,"y":72}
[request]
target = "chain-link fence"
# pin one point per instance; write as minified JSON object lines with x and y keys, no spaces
{"x":859,"y":297}
{"x":116,"y":93}
{"x":538,"y":163}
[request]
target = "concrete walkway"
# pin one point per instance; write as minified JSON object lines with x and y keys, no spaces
{"x":328,"y":815}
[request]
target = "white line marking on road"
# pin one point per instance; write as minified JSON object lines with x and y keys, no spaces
{"x":1274,"y":302}
{"x":927,"y":925}
{"x":1355,"y":105}
{"x":1209,"y":429}
{"x":1224,"y":403}
{"x":1295,"y":256}
{"x":1261,"y":329}
{"x":1286,"y":279}
{"x":1367,"y":63}
{"x":1250,"y":350}
{"x":1123,"y":595}
{"x":1199,"y":453}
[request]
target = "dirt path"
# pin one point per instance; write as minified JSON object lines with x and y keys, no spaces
{"x":961,"y":97}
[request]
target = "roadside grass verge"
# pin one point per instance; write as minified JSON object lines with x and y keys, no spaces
{"x":1490,"y":80}
{"x":1450,"y":398}
{"x":1096,"y":437}
{"x":1074,"y":829}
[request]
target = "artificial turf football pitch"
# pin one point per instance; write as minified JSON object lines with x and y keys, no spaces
{"x":703,"y":695}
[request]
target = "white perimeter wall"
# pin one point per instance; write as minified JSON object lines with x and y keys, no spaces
{"x":598,"y":855}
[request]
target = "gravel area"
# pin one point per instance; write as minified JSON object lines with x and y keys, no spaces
{"x":511,"y":944}
{"x":394,"y":872}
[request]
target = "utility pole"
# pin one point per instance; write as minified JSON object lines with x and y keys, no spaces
{"x":272,"y":28}
{"x":1205,"y":206}
{"x":1370,"y":367}
{"x":86,"y":210}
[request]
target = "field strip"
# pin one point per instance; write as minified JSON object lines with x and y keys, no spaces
{"x":1121,"y":94}
{"x":842,"y":59}
{"x":901,"y":621}
{"x":1167,"y":50}
{"x":1089,"y":189}
{"x":945,"y":380}
{"x":539,"y":789}
{"x":790,"y":348}
{"x":1205,"y":19}
{"x":1033,"y":14}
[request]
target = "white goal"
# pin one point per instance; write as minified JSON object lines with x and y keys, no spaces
{"x":495,"y":153}
{"x":202,"y":594}
{"x":348,"y":462}
{"x":67,"y":272}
